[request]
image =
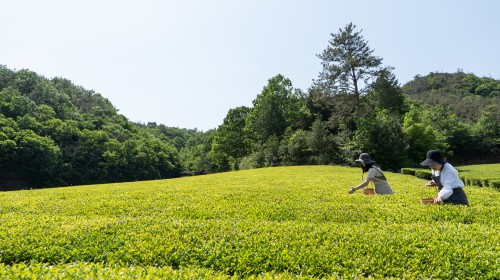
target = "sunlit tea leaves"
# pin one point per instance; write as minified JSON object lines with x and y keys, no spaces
{"x":270,"y":223}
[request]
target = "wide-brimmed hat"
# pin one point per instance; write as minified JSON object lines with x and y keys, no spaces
{"x":366,"y":158}
{"x":434,"y":157}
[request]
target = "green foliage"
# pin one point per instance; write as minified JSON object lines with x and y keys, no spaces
{"x":298,"y":148}
{"x":408,"y":171}
{"x":337,"y":111}
{"x":324,"y":147}
{"x":482,"y":175}
{"x":420,"y":135}
{"x":383,"y":137}
{"x":25,"y":154}
{"x":270,"y":151}
{"x":13,"y":104}
{"x":465,"y":94}
{"x":28,"y":82}
{"x":197,"y":154}
{"x":423,"y":174}
{"x":35,"y":157}
{"x":54,"y":133}
{"x":487,"y":134}
{"x":277,"y":107}
{"x":495,"y":183}
{"x":347,"y":62}
{"x":91,"y":270}
{"x":251,"y":161}
{"x":385,"y":93}
{"x":269,"y":223}
{"x":6,"y":77}
{"x":230,"y":140}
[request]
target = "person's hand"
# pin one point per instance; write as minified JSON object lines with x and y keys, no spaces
{"x":438,"y":199}
{"x":431,"y":183}
{"x":351,"y":191}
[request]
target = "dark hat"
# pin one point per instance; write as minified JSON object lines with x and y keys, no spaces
{"x":366,"y":158}
{"x":433,"y":158}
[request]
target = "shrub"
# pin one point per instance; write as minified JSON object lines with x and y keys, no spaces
{"x":486,"y":182}
{"x":495,"y":184}
{"x":481,"y":175}
{"x":408,"y":171}
{"x":423,"y":174}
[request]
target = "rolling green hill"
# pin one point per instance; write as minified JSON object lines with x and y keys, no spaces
{"x":269,"y":223}
{"x":465,"y":94}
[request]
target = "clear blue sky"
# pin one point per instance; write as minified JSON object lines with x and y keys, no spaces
{"x":185,"y":63}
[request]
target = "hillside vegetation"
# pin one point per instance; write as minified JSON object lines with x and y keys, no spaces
{"x":55,"y":133}
{"x":269,"y":223}
{"x":464,"y":94}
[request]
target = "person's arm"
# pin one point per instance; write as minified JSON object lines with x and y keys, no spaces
{"x":362,"y":185}
{"x":432,"y":183}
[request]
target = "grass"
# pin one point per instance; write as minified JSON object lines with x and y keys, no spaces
{"x":270,"y":223}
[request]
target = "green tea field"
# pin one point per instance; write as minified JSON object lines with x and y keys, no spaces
{"x":270,"y":223}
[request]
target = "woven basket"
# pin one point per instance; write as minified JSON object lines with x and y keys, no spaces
{"x":427,"y":200}
{"x":368,"y":191}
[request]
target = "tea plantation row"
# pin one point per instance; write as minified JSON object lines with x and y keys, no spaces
{"x":271,"y":223}
{"x":481,"y":175}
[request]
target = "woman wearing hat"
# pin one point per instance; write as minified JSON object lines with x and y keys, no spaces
{"x":445,"y":177}
{"x":375,"y":175}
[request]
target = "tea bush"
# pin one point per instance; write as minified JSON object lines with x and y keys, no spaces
{"x":495,"y":184}
{"x":270,"y":223}
{"x":481,"y":175}
{"x":423,"y":174}
{"x":408,"y":171}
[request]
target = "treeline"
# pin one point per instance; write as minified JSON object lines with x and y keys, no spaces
{"x":357,"y":105}
{"x":54,"y":133}
{"x":287,"y":127}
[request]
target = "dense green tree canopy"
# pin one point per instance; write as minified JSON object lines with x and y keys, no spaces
{"x":53,"y":133}
{"x":231,"y":141}
{"x":466,"y":95}
{"x":277,"y":107}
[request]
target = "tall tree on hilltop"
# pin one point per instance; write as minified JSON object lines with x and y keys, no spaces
{"x":348,"y":64}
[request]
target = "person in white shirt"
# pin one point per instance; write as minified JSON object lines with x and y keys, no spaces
{"x":445,"y":177}
{"x":375,"y":175}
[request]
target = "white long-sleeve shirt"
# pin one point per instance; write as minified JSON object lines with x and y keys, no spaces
{"x":449,"y":180}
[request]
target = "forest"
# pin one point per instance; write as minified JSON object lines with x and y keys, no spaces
{"x":54,"y":133}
